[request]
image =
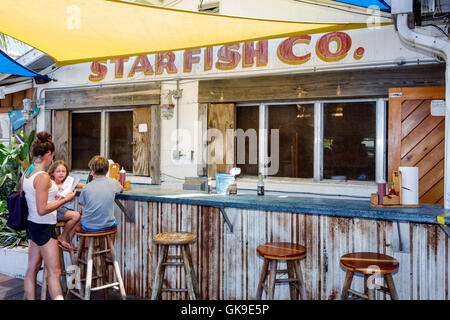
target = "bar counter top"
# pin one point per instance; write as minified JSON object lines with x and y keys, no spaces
{"x":308,"y":205}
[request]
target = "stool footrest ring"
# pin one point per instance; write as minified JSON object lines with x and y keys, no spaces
{"x":175,"y":289}
{"x":109,"y":285}
{"x":173,"y":264}
{"x":359,"y":294}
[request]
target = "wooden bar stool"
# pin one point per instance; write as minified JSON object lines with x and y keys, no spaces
{"x":369,"y":263}
{"x":100,"y":243}
{"x":59,"y":227}
{"x":181,"y":239}
{"x":284,"y":251}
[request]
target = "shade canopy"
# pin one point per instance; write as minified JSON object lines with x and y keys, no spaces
{"x":75,"y":31}
{"x":383,"y":5}
{"x":10,"y":66}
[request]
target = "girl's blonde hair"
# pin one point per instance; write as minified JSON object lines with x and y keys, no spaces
{"x":55,"y":165}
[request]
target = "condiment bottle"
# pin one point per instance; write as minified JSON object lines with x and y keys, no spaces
{"x":122,"y":176}
{"x":392,"y":190}
{"x":89,"y":178}
{"x":260,"y":185}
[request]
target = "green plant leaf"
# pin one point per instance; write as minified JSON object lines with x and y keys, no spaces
{"x":6,"y":177}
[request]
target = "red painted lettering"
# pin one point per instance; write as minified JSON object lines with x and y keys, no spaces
{"x":141,"y":64}
{"x":165,"y":60}
{"x":208,"y":63}
{"x":228,"y":57}
{"x":118,"y":70}
{"x":261,"y":53}
{"x":285,"y":50}
{"x":99,"y":71}
{"x":343,"y":41}
{"x":189,"y":59}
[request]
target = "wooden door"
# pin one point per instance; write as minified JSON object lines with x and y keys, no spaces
{"x":221,"y":125}
{"x":141,"y":141}
{"x":416,"y":138}
{"x":61,"y":136}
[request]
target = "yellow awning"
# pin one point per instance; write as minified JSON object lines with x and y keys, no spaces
{"x":75,"y":31}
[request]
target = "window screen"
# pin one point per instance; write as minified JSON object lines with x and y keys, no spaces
{"x":247,"y":139}
{"x":296,"y":139}
{"x":86,"y":135}
{"x":120,"y":138}
{"x":349,"y":141}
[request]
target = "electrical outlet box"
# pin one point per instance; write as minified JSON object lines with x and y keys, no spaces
{"x":401,"y":6}
{"x":176,"y":155}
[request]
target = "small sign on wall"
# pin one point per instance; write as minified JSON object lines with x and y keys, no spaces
{"x":142,"y":127}
{"x":438,"y":108}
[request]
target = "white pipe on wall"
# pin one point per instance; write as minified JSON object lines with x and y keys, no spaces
{"x":439,"y":47}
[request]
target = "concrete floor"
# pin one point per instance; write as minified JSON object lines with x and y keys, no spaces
{"x":12,"y":289}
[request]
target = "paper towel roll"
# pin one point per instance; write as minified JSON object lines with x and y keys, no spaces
{"x":410,"y":185}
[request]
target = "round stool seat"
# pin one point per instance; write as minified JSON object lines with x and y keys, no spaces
{"x":174,"y":238}
{"x":60,"y":224}
{"x":281,"y":251}
{"x":80,"y":232}
{"x":369,"y":263}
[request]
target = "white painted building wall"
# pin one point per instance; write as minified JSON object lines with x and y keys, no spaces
{"x":381,"y":48}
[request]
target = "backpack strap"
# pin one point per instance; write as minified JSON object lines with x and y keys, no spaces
{"x":21,"y":186}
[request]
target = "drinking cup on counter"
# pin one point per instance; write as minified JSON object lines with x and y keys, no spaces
{"x":381,"y":191}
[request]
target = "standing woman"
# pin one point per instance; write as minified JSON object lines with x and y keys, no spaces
{"x":40,"y":195}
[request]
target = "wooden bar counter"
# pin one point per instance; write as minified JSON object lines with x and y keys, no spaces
{"x":229,"y":229}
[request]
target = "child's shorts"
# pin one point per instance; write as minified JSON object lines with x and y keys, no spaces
{"x":101,"y":229}
{"x":60,"y":213}
{"x":40,"y":233}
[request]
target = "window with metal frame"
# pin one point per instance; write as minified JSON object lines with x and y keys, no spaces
{"x":108,"y":133}
{"x":340,"y":140}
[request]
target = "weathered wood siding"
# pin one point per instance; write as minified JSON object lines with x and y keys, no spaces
{"x":319,"y":85}
{"x":104,"y":97}
{"x":228,"y":267}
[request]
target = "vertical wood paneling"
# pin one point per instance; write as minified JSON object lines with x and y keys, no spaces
{"x":141,"y":149}
{"x":228,"y":267}
{"x":221,"y":118}
{"x":63,"y":150}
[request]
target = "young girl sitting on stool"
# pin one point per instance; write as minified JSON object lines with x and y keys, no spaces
{"x":58,"y":173}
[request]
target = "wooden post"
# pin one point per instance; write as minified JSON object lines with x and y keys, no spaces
{"x":155,"y":145}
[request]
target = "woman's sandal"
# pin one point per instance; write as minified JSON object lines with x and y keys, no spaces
{"x":67,"y":246}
